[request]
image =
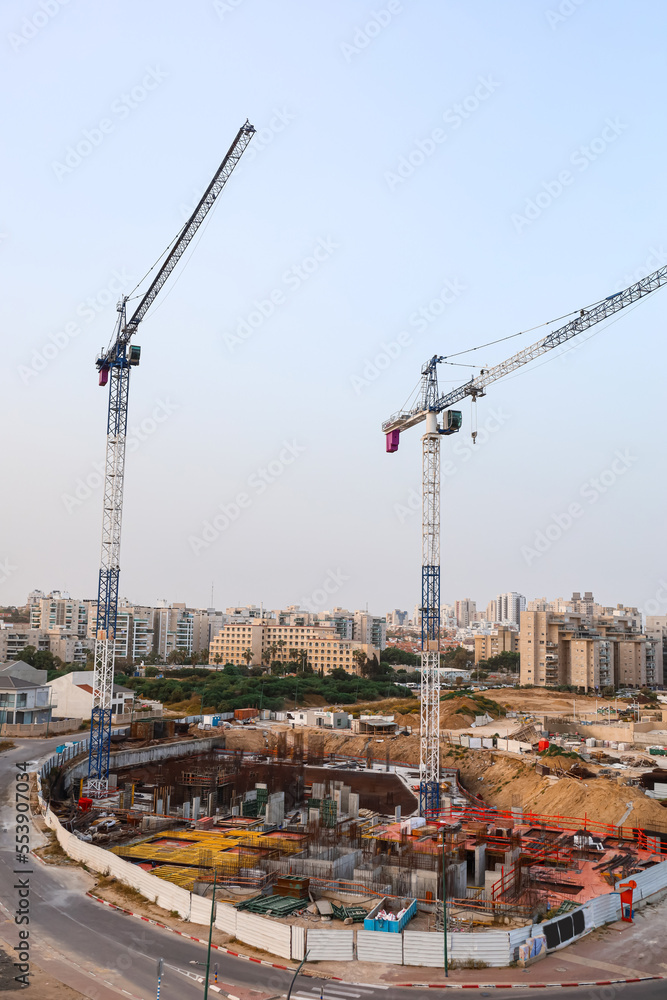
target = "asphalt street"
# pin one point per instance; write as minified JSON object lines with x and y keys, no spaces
{"x":86,"y":943}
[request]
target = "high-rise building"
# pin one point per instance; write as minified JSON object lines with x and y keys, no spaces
{"x":465,"y":612}
{"x":506,"y":608}
{"x":370,"y":630}
{"x":656,"y":630}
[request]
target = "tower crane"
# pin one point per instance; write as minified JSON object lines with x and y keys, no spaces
{"x":433,"y":409}
{"x":114,"y":366}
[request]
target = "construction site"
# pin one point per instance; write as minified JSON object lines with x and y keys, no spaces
{"x":314,"y":829}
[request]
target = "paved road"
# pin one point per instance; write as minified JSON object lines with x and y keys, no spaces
{"x":100,"y":951}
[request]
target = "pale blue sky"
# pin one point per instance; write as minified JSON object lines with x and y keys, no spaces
{"x":344,"y":103}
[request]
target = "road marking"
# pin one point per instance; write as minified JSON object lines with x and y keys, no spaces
{"x":375,"y":986}
{"x":329,"y":990}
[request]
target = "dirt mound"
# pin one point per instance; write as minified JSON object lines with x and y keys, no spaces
{"x":504,"y":782}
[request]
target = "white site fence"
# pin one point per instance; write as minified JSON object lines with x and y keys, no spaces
{"x":492,"y":948}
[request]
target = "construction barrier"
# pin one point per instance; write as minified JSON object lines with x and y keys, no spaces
{"x":380,"y":946}
{"x":261,"y":932}
{"x":225,"y":919}
{"x":650,"y":881}
{"x":298,"y":943}
{"x":330,"y":946}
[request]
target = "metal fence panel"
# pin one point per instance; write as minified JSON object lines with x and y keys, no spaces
{"x":604,"y":909}
{"x":490,"y":947}
{"x":380,"y":946}
{"x":298,"y":942}
{"x":330,"y":946}
{"x":264,"y":933}
{"x":200,"y":909}
{"x":424,"y":948}
{"x":225,"y":919}
{"x":649,"y":881}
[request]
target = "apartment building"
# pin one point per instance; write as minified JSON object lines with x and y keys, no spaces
{"x":465,"y":612}
{"x":656,"y":630}
{"x":506,"y":608}
{"x":57,"y":611}
{"x":587,"y":652}
{"x":260,"y":642}
{"x":503,"y":640}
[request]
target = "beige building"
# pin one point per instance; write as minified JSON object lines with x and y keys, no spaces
{"x":264,"y":641}
{"x":587,"y":652}
{"x":503,"y":640}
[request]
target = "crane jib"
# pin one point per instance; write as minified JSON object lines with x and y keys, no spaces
{"x":583,"y":321}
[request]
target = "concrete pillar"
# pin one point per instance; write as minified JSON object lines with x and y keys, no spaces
{"x":275,"y":809}
{"x":195,"y":807}
{"x":397,"y":814}
{"x":353,"y":804}
{"x":480,"y":864}
{"x":457,"y":879}
{"x":313,"y":815}
{"x":186,"y":810}
{"x":345,"y":798}
{"x":158,"y":809}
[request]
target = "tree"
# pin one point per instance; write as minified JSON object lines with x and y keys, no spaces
{"x":281,"y":646}
{"x":247,"y":656}
{"x":360,"y":660}
{"x":177,"y":656}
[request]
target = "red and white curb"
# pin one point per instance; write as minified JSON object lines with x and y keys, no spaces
{"x":421,"y":986}
{"x":522,"y":986}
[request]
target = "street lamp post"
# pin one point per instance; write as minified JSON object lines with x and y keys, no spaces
{"x":299,"y":967}
{"x":210,"y":934}
{"x":444,"y":902}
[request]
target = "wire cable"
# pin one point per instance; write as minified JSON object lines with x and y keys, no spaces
{"x":511,"y":336}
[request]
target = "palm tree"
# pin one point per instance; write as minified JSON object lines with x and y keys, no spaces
{"x":266,"y":655}
{"x":281,"y":646}
{"x":247,"y":656}
{"x":293,"y":654}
